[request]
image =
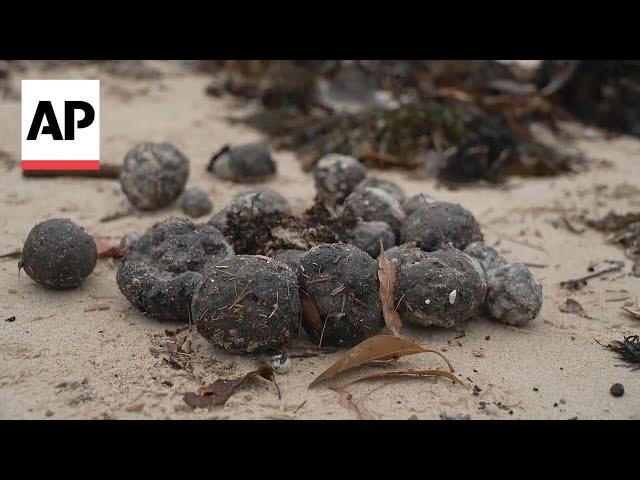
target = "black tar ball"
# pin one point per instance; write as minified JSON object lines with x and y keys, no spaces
{"x":162,"y":271}
{"x":368,"y":235}
{"x":153,"y":175}
{"x":58,"y":254}
{"x":195,"y":202}
{"x":247,"y":304}
{"x":340,"y":292}
{"x":289,"y":256}
{"x":244,"y":163}
{"x":336,"y":176}
{"x":438,"y":223}
{"x":443,"y":288}
{"x":414,"y":202}
{"x":373,"y":205}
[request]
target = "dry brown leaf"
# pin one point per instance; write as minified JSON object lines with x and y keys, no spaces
{"x":572,"y":306}
{"x":408,"y":373}
{"x":195,"y":400}
{"x":109,"y":250}
{"x":347,"y":401}
{"x":633,"y":313}
{"x":387,"y":278}
{"x":380,"y":347}
{"x":311,"y":315}
{"x":221,"y":390}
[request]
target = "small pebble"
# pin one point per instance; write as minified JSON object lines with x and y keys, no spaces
{"x":617,"y":390}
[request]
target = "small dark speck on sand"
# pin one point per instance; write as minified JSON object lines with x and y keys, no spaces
{"x":617,"y":390}
{"x":488,"y":337}
{"x":10,"y":319}
{"x":535,"y":389}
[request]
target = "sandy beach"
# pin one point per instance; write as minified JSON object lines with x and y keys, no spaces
{"x":88,"y":354}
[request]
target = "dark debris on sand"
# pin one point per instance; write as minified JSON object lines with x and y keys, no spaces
{"x":463,"y":120}
{"x":265,"y":233}
{"x":628,"y":350}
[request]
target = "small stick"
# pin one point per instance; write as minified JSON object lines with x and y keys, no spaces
{"x":619,"y":299}
{"x":299,"y":407}
{"x":117,"y":215}
{"x":13,"y":254}
{"x":106,"y":171}
{"x":617,"y":267}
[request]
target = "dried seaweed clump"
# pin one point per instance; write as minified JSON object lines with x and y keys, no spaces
{"x":625,"y":231}
{"x":628,"y":350}
{"x":262,"y":231}
{"x":463,"y":120}
{"x":601,"y":92}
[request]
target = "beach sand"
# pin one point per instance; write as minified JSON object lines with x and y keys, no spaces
{"x":88,"y":354}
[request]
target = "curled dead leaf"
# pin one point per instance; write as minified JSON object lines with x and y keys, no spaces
{"x":109,"y":250}
{"x":572,"y":306}
{"x":310,"y":312}
{"x":387,"y":278}
{"x":379,"y":347}
{"x":221,"y":390}
{"x":409,"y":373}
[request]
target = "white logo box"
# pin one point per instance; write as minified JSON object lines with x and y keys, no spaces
{"x":46,"y":153}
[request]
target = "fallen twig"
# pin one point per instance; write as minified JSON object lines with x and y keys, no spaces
{"x":578,"y":283}
{"x":105,"y":171}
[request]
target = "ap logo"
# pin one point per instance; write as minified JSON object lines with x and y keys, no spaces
{"x":60,"y":124}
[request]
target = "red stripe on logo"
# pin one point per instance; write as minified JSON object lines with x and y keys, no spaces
{"x":60,"y":164}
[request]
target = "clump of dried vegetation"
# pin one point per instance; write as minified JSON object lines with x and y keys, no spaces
{"x":459,"y":120}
